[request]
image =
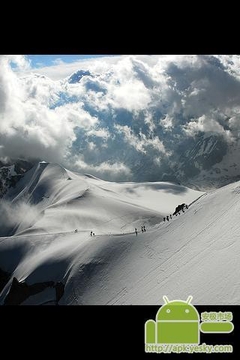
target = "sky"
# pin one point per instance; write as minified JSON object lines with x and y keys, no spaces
{"x":39,"y":61}
{"x":117,"y":117}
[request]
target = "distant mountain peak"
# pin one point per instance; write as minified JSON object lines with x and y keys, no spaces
{"x":78,"y":75}
{"x":11,"y":173}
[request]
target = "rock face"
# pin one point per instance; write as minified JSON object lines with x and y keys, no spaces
{"x":4,"y":277}
{"x":59,"y":291}
{"x":11,"y":173}
{"x":20,"y":291}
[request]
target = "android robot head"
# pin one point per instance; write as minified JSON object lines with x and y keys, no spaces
{"x":177,"y":310}
{"x":177,"y":322}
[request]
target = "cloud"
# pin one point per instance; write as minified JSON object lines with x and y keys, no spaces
{"x":206,"y":125}
{"x":113,"y":171}
{"x":132,"y":96}
{"x":141,"y":143}
{"x":58,"y":61}
{"x":20,"y":62}
{"x":30,"y":125}
{"x":62,"y":70}
{"x":15,"y":214}
{"x":167,"y":122}
{"x":122,"y":110}
{"x":100,"y":133}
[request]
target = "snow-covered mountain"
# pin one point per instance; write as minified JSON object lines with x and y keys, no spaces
{"x":203,"y":163}
{"x":208,"y":162}
{"x":51,"y":257}
{"x":77,"y":76}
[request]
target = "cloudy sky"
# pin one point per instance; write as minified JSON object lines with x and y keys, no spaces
{"x":110,"y":115}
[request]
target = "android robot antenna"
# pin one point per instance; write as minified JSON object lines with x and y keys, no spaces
{"x":165,"y":298}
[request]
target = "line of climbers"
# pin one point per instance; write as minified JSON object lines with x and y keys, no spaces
{"x":143,"y":228}
{"x":177,"y":211}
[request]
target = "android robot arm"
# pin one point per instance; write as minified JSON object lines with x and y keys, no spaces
{"x":216,"y":327}
{"x":150,"y":332}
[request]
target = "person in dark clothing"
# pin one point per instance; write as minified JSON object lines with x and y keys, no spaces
{"x":91,"y":233}
{"x":170,"y":216}
{"x":136,"y":231}
{"x":167,"y":218}
{"x":164,"y":219}
{"x":144,"y":229}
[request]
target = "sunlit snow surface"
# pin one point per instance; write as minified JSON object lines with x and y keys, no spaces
{"x":196,"y":253}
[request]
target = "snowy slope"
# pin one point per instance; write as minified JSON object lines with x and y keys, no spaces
{"x":195,"y":253}
{"x":56,"y":200}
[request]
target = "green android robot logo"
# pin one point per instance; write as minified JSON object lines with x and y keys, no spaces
{"x":177,"y":322}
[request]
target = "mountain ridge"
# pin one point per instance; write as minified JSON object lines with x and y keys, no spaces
{"x":195,"y":252}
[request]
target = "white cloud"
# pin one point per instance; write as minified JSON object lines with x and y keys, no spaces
{"x":113,"y":171}
{"x":149,"y":121}
{"x":91,"y":146}
{"x":155,"y":143}
{"x":141,"y":143}
{"x":58,"y":61}
{"x":130,"y":138}
{"x":74,"y":115}
{"x":204,"y":124}
{"x":101,"y":133}
{"x":231,"y":64}
{"x":40,"y":88}
{"x":20,"y":61}
{"x":118,"y":105}
{"x":132,"y":96}
{"x":62,"y":70}
{"x":28,"y":127}
{"x":167,"y":122}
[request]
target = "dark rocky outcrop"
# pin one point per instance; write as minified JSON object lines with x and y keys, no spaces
{"x":179,"y":208}
{"x":7,"y":179}
{"x":59,"y":291}
{"x":4,"y":277}
{"x":20,"y":291}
